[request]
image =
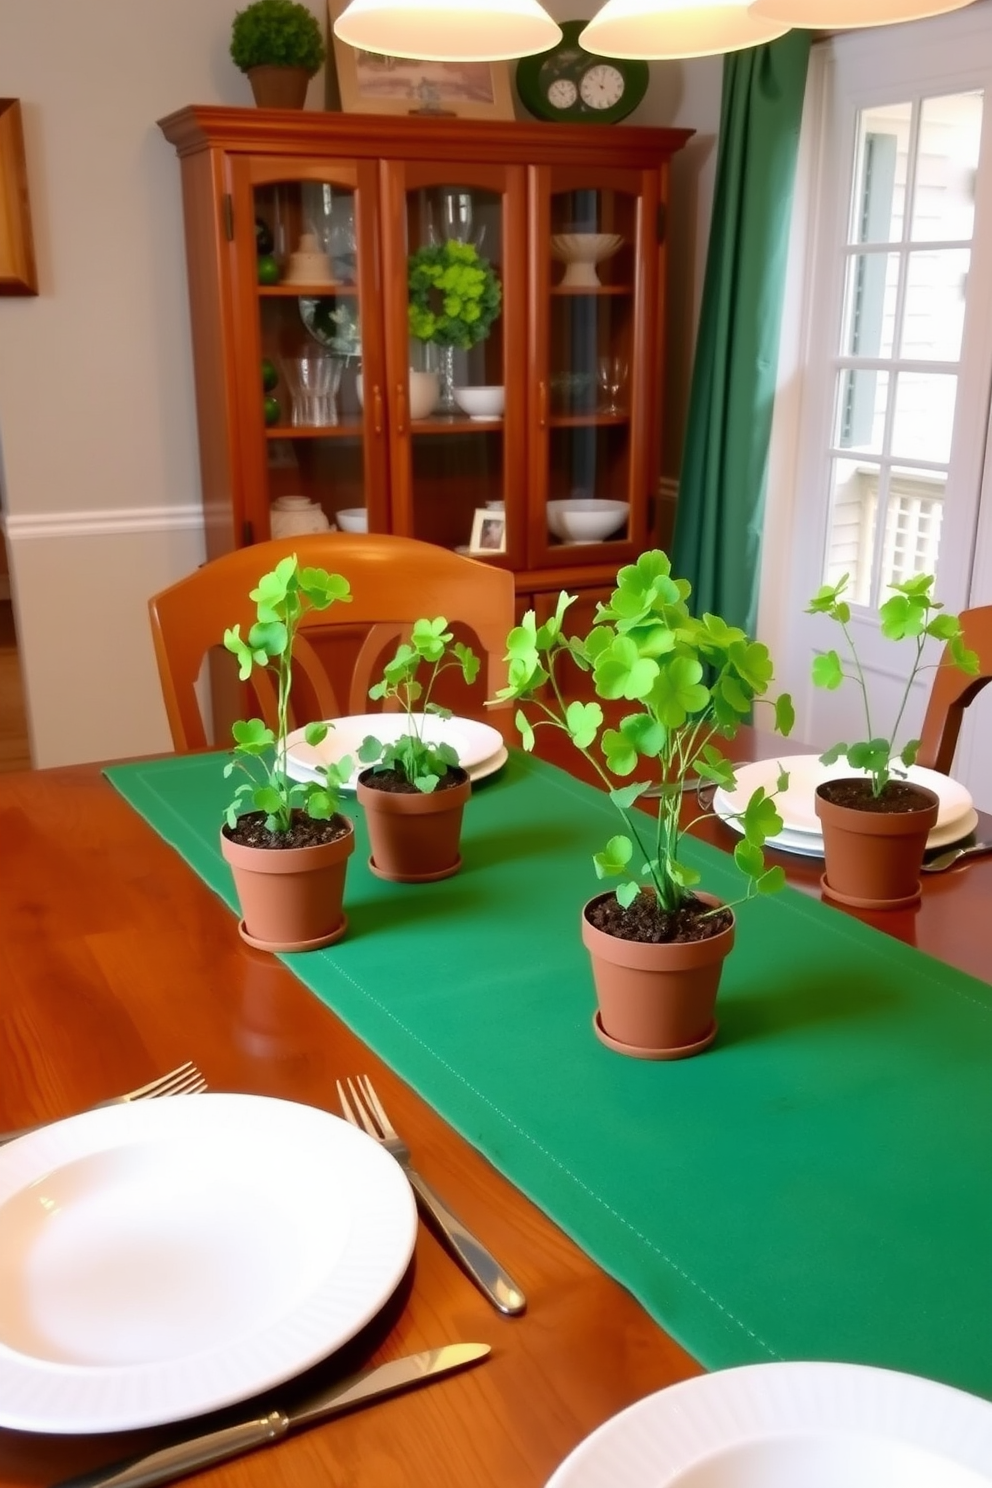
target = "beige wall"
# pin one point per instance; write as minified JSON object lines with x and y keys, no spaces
{"x":99,"y":478}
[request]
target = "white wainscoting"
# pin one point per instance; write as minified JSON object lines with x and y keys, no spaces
{"x":80,"y":583}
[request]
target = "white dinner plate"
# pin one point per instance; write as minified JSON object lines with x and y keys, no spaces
{"x":956,"y":817}
{"x":791,"y":1426}
{"x":167,"y":1257}
{"x":810,"y":844}
{"x":479,"y":746}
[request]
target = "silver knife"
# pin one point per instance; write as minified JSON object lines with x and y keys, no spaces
{"x":230,"y":1441}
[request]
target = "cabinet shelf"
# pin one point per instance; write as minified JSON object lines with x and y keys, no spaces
{"x":306,"y":291}
{"x":345,"y":429}
{"x":592,"y":291}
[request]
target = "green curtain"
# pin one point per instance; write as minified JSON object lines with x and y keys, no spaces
{"x":717,"y":544}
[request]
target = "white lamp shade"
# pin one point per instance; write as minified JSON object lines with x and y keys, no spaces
{"x":656,"y":29}
{"x":448,"y":30}
{"x":839,"y":15}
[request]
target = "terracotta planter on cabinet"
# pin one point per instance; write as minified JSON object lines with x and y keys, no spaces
{"x":656,"y":1001}
{"x":415,"y":838}
{"x":872,"y":858}
{"x":279,"y":87}
{"x":291,"y":898}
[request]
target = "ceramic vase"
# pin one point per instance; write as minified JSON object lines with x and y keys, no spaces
{"x":655,"y":1001}
{"x":872,"y":859}
{"x":414,"y":838}
{"x":291,"y":898}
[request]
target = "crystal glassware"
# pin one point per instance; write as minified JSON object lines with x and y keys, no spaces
{"x":612,"y":381}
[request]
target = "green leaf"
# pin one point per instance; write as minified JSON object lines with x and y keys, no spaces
{"x":771,"y":881}
{"x":834,"y":753}
{"x":369,"y":750}
{"x":614,"y":857}
{"x":621,"y":672}
{"x":827,"y":671}
{"x":525,"y":730}
{"x":785,"y":715}
{"x":679,"y":692}
{"x":627,"y":893}
{"x":624,"y":796}
{"x":583,"y":721}
{"x":315,"y":733}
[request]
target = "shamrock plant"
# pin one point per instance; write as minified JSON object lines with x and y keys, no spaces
{"x":911,"y":614}
{"x":421,"y":762}
{"x":282,"y":598}
{"x":689,"y":682}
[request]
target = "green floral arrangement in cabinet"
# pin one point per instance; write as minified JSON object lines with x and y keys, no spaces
{"x":455,"y":295}
{"x":275,"y":826}
{"x":279,"y":45}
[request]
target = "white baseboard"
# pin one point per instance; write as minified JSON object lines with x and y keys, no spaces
{"x":23,"y":526}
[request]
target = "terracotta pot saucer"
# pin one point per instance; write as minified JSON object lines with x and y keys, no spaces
{"x":854,"y":901}
{"x":294,"y":945}
{"x":415,"y":877}
{"x":635,"y":1051}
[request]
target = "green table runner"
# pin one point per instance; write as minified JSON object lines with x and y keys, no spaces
{"x":818,"y":1185}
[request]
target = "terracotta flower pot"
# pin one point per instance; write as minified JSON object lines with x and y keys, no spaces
{"x":414,"y":837}
{"x":656,"y":1001}
{"x":291,"y":898}
{"x":872,"y":858}
{"x":279,"y":87}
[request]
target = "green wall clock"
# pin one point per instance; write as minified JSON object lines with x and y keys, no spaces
{"x":574,"y":86}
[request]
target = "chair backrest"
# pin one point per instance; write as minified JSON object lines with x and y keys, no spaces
{"x":339,"y":651}
{"x":952,"y":691}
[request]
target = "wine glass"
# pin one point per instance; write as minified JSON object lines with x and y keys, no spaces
{"x":612,"y":381}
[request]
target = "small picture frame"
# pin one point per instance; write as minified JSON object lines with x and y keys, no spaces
{"x":17,"y":267}
{"x":372,"y":83}
{"x":488,"y":533}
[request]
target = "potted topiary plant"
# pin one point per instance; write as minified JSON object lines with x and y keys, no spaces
{"x":278,"y":43}
{"x":875,"y":826}
{"x":454,"y":298}
{"x":415,"y":791}
{"x":657,"y":943}
{"x":285,"y":841}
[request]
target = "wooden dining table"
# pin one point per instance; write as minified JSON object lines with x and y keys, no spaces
{"x":117,"y":963}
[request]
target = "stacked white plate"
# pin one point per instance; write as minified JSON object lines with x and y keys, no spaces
{"x":796,"y":805}
{"x":479,"y":747}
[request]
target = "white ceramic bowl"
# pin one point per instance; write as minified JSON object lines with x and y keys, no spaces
{"x":353,"y":519}
{"x":581,"y":252}
{"x":425,"y":388}
{"x":480,"y":402}
{"x":586,"y":519}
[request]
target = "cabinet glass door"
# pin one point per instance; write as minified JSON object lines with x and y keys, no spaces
{"x":456,"y":400}
{"x":304,"y":352}
{"x":597,"y":371}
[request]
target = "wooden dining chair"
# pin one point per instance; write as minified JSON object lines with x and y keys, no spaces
{"x":339,"y":651}
{"x":953,"y":690}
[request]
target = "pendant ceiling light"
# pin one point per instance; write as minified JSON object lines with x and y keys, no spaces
{"x":829,"y":15}
{"x":448,"y":30}
{"x":655,"y":29}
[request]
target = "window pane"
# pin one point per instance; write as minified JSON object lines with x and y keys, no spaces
{"x":947,"y":155}
{"x":924,"y":415}
{"x":934,"y":315}
{"x":869,"y":310}
{"x":913,"y":515}
{"x":862,"y":400}
{"x":878,"y":199}
{"x":850,"y":547}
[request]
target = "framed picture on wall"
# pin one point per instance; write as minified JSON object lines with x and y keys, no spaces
{"x":371,"y":83}
{"x":488,"y":532}
{"x":17,"y":267}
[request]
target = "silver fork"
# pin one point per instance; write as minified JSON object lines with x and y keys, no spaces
{"x":185,"y":1080}
{"x":364,"y":1109}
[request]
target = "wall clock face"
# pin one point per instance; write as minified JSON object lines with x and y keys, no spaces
{"x":574,"y":86}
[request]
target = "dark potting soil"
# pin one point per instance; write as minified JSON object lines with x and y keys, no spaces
{"x":897,"y":796}
{"x":644,"y":921}
{"x":396,"y":783}
{"x":251,"y":831}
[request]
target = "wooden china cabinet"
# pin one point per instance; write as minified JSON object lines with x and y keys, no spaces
{"x":581,"y":363}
